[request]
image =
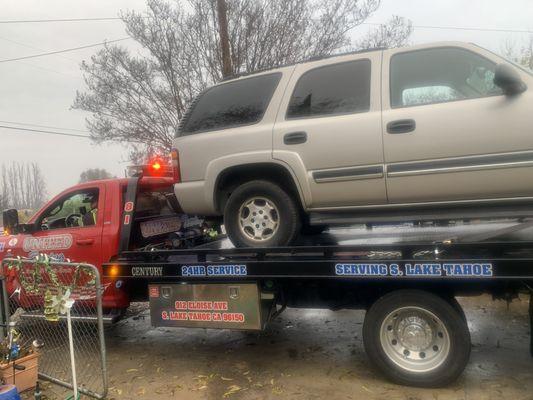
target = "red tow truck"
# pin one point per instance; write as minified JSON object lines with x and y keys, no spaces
{"x":93,"y":223}
{"x":414,"y":331}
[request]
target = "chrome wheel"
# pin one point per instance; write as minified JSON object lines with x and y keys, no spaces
{"x":259,"y":219}
{"x":415,"y":339}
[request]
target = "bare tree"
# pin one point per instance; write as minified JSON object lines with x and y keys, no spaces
{"x":521,"y":54}
{"x":22,"y":186}
{"x":3,"y":202}
{"x":94,"y":174}
{"x":140,"y":99}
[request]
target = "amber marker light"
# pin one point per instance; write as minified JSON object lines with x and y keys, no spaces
{"x":113,"y":271}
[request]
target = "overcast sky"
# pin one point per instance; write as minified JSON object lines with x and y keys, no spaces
{"x":41,"y":90}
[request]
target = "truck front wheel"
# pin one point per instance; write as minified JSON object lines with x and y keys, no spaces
{"x":416,"y":338}
{"x":261,"y":214}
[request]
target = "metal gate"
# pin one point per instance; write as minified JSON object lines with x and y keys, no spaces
{"x":35,"y":296}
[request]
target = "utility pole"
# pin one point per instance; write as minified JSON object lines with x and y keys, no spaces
{"x":224,"y":38}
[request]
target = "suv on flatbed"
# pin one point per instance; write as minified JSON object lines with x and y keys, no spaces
{"x":425,"y":132}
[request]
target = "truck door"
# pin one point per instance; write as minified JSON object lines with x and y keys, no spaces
{"x":71,"y":227}
{"x":450,"y":134}
{"x":328,"y":129}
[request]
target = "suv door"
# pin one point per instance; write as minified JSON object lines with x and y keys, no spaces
{"x":328,"y":129}
{"x":68,"y":228}
{"x":449,"y":132}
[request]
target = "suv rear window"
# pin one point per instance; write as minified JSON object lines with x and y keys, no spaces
{"x":232,"y":104}
{"x":334,"y":89}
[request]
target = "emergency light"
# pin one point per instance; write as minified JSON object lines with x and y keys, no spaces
{"x":158,"y":167}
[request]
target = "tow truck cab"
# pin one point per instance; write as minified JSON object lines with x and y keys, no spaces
{"x":130,"y":213}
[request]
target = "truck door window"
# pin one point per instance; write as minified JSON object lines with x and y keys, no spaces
{"x":237,"y":103}
{"x":342,"y":88}
{"x":79,"y":209}
{"x":440,"y":75}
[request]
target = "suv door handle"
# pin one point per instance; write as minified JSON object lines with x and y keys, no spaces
{"x":401,"y":126}
{"x":84,"y":242}
{"x":295,"y":138}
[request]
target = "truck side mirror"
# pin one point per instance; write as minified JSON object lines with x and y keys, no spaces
{"x":11,"y":221}
{"x":509,"y":80}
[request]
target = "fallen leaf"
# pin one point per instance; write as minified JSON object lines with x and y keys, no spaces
{"x":367,"y":389}
{"x":277,"y":390}
{"x":226,"y":379}
{"x":132,"y":370}
{"x":231,"y":389}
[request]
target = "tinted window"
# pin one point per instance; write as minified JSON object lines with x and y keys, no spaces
{"x":440,"y":75}
{"x":335,"y":89}
{"x":232,"y":104}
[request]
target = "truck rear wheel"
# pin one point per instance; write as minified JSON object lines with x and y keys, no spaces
{"x":261,"y":214}
{"x":416,"y":338}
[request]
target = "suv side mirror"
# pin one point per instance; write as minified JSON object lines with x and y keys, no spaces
{"x":11,"y":221}
{"x":509,"y":80}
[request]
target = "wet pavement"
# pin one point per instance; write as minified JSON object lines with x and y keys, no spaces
{"x":313,"y":354}
{"x":306,"y":354}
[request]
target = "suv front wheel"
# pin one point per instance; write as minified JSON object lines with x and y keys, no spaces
{"x":261,"y":214}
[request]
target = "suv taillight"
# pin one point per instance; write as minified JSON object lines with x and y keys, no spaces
{"x":175,"y":160}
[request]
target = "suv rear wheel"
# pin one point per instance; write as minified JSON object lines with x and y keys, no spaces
{"x":261,"y":214}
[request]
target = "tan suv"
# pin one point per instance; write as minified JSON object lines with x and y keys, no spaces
{"x":426,"y":132}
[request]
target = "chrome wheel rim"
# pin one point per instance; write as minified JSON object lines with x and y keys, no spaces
{"x":259,"y":219}
{"x":415,"y":339}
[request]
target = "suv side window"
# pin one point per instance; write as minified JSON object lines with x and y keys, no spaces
{"x":342,"y":88}
{"x":231,"y":104}
{"x":439,"y":75}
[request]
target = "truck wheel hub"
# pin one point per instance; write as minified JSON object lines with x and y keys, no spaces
{"x":414,"y":333}
{"x":415,"y":339}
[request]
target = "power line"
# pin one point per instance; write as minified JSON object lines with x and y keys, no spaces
{"x":460,"y":28}
{"x":43,"y":126}
{"x":63,"y":51}
{"x":33,"y":21}
{"x":45,"y":132}
{"x":34,"y":48}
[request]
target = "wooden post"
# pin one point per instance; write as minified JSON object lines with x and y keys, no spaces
{"x":227,"y":70}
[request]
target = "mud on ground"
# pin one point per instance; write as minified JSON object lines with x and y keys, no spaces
{"x":306,"y":354}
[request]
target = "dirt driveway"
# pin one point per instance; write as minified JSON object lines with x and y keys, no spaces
{"x":306,"y":354}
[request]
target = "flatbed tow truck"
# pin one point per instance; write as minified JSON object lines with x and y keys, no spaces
{"x":414,"y":331}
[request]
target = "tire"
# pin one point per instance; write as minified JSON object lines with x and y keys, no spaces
{"x":440,"y":354}
{"x":279,"y":212}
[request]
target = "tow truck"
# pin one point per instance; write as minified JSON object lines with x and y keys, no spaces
{"x":414,"y":331}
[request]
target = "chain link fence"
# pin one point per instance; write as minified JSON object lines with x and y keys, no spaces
{"x":35,"y":294}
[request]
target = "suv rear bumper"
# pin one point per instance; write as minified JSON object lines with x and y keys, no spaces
{"x":193,"y":200}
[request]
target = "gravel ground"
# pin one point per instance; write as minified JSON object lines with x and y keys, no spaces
{"x":313,"y":354}
{"x":305,"y":354}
